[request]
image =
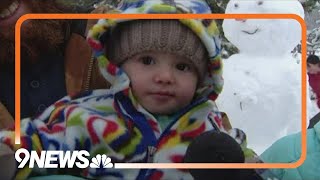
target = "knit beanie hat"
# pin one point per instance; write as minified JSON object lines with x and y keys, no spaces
{"x":169,"y":36}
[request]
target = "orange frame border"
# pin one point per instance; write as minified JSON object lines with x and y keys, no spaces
{"x":173,"y":16}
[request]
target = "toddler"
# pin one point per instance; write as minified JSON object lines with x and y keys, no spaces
{"x":165,"y":76}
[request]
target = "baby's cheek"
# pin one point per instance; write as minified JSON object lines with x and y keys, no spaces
{"x":186,"y":94}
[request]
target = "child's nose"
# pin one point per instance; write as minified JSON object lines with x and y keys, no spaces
{"x":164,"y":77}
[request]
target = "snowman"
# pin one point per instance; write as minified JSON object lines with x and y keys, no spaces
{"x":262,"y":91}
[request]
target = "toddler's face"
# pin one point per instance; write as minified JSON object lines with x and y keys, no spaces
{"x":313,"y":68}
{"x":163,"y":83}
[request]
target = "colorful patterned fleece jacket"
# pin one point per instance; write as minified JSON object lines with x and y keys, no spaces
{"x":113,"y":123}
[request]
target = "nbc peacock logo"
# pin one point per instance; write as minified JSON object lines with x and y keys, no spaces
{"x":101,"y":161}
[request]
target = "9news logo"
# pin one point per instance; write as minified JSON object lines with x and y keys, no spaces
{"x":61,"y":159}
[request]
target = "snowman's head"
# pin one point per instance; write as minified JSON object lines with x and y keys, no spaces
{"x":263,"y":36}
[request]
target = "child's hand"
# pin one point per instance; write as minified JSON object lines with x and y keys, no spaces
{"x":7,"y":161}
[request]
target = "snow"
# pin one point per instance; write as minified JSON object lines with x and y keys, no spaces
{"x":262,"y":91}
{"x":266,"y":33}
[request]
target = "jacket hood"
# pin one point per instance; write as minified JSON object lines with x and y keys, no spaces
{"x":205,"y":29}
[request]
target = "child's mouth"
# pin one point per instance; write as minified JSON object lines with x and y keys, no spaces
{"x":162,"y":96}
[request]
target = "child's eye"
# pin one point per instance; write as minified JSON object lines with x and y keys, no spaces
{"x":260,"y":3}
{"x":183,"y":67}
{"x":147,"y":60}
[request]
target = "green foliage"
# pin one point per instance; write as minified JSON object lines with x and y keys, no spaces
{"x":309,"y":5}
{"x":218,"y":6}
{"x":84,"y":5}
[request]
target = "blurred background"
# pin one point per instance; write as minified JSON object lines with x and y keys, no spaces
{"x":311,"y":7}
